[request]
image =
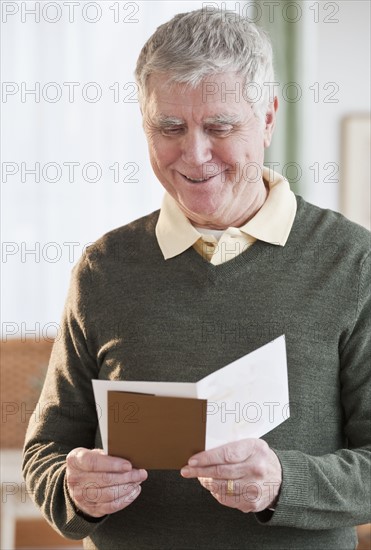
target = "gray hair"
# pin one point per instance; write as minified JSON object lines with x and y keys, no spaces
{"x":200,"y":43}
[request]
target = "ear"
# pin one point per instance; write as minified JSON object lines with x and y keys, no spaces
{"x":270,"y":122}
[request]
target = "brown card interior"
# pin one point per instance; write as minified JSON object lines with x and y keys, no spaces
{"x":155,"y":432}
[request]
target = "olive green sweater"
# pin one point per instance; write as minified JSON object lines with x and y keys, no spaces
{"x":131,"y":315}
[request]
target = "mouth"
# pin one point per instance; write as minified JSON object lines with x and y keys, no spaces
{"x":198,"y":180}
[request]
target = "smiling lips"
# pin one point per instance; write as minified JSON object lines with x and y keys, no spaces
{"x":198,"y":180}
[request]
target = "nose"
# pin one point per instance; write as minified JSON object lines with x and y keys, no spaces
{"x":196,"y":148}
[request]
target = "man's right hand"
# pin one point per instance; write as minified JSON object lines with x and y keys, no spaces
{"x":100,"y":484}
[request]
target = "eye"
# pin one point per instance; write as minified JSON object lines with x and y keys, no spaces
{"x":170,"y":131}
{"x":220,"y":131}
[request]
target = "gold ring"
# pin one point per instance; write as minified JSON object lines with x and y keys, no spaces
{"x":230,"y":487}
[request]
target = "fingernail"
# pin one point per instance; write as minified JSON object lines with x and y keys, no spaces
{"x":185,"y":471}
{"x":192,"y":462}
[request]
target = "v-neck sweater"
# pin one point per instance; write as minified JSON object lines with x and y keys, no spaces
{"x":131,"y":315}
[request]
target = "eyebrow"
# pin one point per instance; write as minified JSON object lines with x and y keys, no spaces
{"x":223,"y":119}
{"x":165,"y":120}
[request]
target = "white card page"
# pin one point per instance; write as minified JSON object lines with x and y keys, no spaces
{"x":247,"y":398}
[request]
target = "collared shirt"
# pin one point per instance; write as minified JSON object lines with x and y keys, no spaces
{"x":272,"y":224}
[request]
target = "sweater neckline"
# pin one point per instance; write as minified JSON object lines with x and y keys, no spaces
{"x":246,"y":260}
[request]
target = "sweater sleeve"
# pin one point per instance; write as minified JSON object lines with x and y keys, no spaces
{"x":65,"y":416}
{"x":324,"y":492}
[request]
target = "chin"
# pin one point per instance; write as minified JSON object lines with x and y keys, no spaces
{"x":199,"y":207}
{"x":200,"y":217}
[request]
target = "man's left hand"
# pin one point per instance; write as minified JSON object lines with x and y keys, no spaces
{"x":245,"y":474}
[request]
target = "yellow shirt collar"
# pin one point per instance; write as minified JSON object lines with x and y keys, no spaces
{"x":272,"y":223}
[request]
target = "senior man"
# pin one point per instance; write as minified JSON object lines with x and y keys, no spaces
{"x":232,"y":260}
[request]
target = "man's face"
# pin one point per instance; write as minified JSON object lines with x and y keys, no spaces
{"x":207,"y":147}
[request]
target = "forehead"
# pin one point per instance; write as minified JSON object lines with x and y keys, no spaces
{"x":217,"y":94}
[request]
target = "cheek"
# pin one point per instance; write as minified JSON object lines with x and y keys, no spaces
{"x":244,"y":159}
{"x":163,"y":154}
{"x":227,"y":153}
{"x":237,"y":150}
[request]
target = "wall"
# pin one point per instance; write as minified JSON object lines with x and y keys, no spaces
{"x":343,"y":57}
{"x":46,"y":224}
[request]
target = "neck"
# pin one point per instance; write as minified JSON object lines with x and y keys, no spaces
{"x":237,"y":221}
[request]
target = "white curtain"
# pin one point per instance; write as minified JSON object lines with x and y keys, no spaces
{"x":293,"y":31}
{"x":69,"y":112}
{"x":82,"y":122}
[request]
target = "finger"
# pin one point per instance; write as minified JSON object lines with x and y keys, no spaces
{"x":96,"y":460}
{"x":91,"y":495}
{"x":231,"y":453}
{"x":210,"y":484}
{"x":219,"y":490}
{"x":100,"y":509}
{"x":218,"y":471}
{"x":80,"y":478}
